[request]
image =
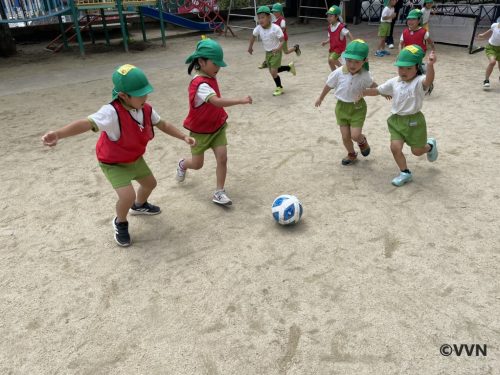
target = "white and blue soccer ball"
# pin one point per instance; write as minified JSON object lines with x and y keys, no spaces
{"x":287,"y":209}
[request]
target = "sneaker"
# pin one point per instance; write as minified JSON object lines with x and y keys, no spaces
{"x":391,"y":46}
{"x":364,"y":148}
{"x":385,"y":52}
{"x":402,"y":179}
{"x":292,"y":68}
{"x":350,"y":159}
{"x":278,"y":91}
{"x":298,"y":52}
{"x":122,"y":237}
{"x":379,"y":54}
{"x":145,"y":209}
{"x":433,"y":154}
{"x":429,"y":91}
{"x":486,"y":84}
{"x":220,"y":197}
{"x":181,"y":172}
{"x":263,"y":65}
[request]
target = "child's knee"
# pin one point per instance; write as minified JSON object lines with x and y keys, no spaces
{"x":396,"y":149}
{"x":198,"y":164}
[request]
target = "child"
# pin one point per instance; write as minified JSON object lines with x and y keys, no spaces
{"x":426,"y":13}
{"x":492,"y":50}
{"x":349,"y":81}
{"x":407,"y":123}
{"x":337,"y":34}
{"x":384,"y":29}
{"x":206,"y":120}
{"x":272,"y":40}
{"x":414,"y":33}
{"x":281,"y":22}
{"x":126,"y":125}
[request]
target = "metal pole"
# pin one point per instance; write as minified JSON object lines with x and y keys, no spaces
{"x":143,"y":29}
{"x":74,"y":14}
{"x":63,"y":32}
{"x":105,"y":27}
{"x":122,"y":24}
{"x":162,"y":24}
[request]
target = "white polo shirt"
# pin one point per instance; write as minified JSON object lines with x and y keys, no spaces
{"x":348,"y":87}
{"x":495,"y":37}
{"x":426,"y":14}
{"x":387,"y":12}
{"x":270,"y":37}
{"x":407,"y":97}
{"x":106,"y":120}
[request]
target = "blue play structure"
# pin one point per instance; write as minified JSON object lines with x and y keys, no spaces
{"x":178,"y":20}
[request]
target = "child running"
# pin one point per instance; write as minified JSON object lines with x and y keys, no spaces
{"x":384,"y":29}
{"x":272,"y":40}
{"x":349,"y":81}
{"x":415,"y":33}
{"x":492,"y":51}
{"x":127,"y":125}
{"x":206,"y":120}
{"x":407,"y":124}
{"x":280,"y":20}
{"x":426,"y":13}
{"x":337,"y":33}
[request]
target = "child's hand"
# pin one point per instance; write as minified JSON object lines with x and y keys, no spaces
{"x":388,"y":97}
{"x":247,"y":100}
{"x":323,"y":43}
{"x":50,"y":139}
{"x":250,"y":50}
{"x":190,"y":141}
{"x":432,"y":57}
{"x":318,"y":102}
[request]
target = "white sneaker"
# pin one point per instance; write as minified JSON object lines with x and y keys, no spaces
{"x":181,"y":172}
{"x":220,"y":197}
{"x":391,"y":46}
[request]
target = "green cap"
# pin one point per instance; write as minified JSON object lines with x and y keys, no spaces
{"x":130,"y":80}
{"x":334,"y":10}
{"x":277,"y":8}
{"x":208,"y":49}
{"x":428,"y":1}
{"x":410,"y":55}
{"x":357,"y":50}
{"x":386,"y":2}
{"x":264,"y":9}
{"x":414,"y":14}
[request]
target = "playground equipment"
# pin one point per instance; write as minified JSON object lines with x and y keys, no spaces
{"x":86,"y":13}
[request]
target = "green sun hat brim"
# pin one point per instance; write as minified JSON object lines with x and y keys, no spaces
{"x":334,"y":10}
{"x":208,"y":49}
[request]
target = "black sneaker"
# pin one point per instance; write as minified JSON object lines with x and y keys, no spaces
{"x":298,"y":52}
{"x":122,"y":237}
{"x":145,"y":209}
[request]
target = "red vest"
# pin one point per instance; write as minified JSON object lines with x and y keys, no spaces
{"x":207,"y":118}
{"x":278,"y":22}
{"x":133,"y":139}
{"x":415,"y":37}
{"x":336,"y":44}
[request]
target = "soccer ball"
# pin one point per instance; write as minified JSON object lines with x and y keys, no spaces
{"x":287,"y":209}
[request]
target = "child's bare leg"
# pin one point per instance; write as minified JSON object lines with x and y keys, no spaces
{"x":491,"y":66}
{"x":196,"y":162}
{"x":126,"y":198}
{"x":274,"y":72}
{"x":381,"y":44}
{"x":146,"y":186}
{"x":397,"y":153}
{"x":345,"y":130}
{"x":334,"y":63}
{"x":220,"y":153}
{"x":418,"y":151}
{"x":357,"y":135}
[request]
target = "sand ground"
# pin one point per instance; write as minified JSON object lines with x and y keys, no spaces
{"x":372,"y":281}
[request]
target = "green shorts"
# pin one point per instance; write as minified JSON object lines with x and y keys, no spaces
{"x":273,"y":60}
{"x":206,"y":141}
{"x":285,"y":46}
{"x":411,"y":129}
{"x":384,"y":29}
{"x":333,"y":56}
{"x":351,"y":114}
{"x":122,"y":174}
{"x":492,"y":51}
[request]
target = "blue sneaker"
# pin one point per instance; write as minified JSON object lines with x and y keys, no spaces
{"x":385,"y":52}
{"x":402,"y":179}
{"x":379,"y":54}
{"x":433,"y":154}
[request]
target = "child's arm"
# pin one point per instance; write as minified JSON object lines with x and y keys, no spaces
{"x":401,"y":45}
{"x":279,"y":48}
{"x":431,"y":44}
{"x":76,"y":127}
{"x":224,"y":102}
{"x":171,"y":130}
{"x":485,"y":35}
{"x":429,"y":76}
{"x":349,"y":35}
{"x":250,"y":46}
{"x":325,"y":91}
{"x":372,"y":91}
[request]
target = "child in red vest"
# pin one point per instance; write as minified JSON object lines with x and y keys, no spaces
{"x":337,"y":33}
{"x":280,"y":21}
{"x":206,"y":120}
{"x":127,"y":125}
{"x":415,"y":34}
